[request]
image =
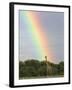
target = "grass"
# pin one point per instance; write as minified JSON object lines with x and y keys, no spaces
{"x":40,"y":77}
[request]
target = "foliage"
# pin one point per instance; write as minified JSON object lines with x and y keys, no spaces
{"x":36,"y":68}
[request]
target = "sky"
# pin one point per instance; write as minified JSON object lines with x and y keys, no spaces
{"x":40,"y":33}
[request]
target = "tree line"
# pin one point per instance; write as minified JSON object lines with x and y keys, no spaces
{"x":35,"y":68}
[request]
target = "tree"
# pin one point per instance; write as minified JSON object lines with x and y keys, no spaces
{"x":61,"y":68}
{"x":35,"y":68}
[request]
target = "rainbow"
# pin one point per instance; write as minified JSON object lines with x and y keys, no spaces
{"x":38,"y":35}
